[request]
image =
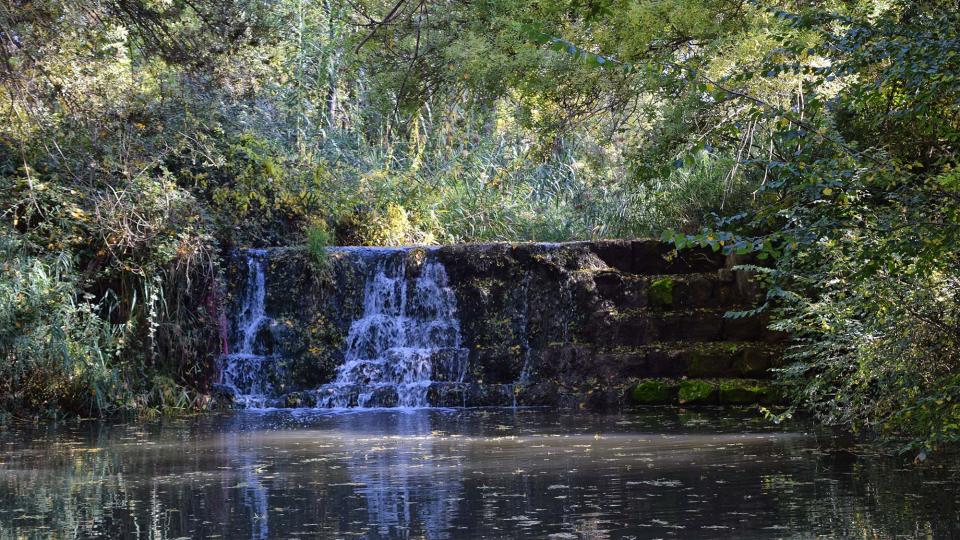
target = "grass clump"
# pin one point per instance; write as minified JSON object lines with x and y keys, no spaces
{"x":318,"y":239}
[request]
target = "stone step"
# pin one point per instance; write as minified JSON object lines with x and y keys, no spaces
{"x":472,"y":395}
{"x":573,"y":362}
{"x":643,"y":327}
{"x":704,"y":392}
{"x":439,"y":394}
{"x":630,"y":256}
{"x":654,"y":257}
{"x":662,"y":292}
{"x":660,"y":390}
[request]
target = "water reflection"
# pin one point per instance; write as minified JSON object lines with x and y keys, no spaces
{"x":461,"y":474}
{"x":410,"y":486}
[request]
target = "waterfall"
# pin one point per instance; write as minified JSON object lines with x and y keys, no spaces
{"x":252,"y":376}
{"x":252,"y":312}
{"x":407,"y":338}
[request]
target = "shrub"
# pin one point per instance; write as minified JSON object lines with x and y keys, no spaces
{"x":57,"y":352}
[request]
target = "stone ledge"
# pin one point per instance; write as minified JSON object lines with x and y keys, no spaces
{"x":704,"y":392}
{"x":717,"y":359}
{"x":640,"y":327}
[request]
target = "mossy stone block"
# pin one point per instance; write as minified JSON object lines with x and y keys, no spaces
{"x":660,"y":293}
{"x":653,"y":392}
{"x":697,"y":391}
{"x":742,"y":392}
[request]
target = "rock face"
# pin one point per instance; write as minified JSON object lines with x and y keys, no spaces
{"x":572,"y":324}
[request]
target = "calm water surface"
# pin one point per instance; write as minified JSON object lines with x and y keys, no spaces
{"x":463,"y":474}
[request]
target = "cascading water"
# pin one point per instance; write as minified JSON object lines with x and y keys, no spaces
{"x":252,"y":312}
{"x":407,"y":338}
{"x":252,"y":376}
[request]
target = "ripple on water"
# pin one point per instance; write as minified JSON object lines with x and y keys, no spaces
{"x":462,"y":474}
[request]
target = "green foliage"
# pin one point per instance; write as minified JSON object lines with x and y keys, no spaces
{"x":139,"y":142}
{"x":879,"y":353}
{"x":56,"y":350}
{"x":858,"y":215}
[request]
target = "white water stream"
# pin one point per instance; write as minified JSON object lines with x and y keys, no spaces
{"x":407,"y":338}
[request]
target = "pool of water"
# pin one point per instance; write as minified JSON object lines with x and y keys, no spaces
{"x":463,"y":474}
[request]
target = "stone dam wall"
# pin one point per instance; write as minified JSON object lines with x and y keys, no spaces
{"x":598,"y":325}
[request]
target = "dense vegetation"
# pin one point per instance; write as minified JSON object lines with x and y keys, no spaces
{"x":143,"y":139}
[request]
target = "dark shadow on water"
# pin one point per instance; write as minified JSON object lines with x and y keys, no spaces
{"x":450,"y":473}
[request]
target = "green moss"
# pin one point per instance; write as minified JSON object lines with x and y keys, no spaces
{"x":741,"y":392}
{"x":654,"y":391}
{"x":697,"y":391}
{"x":660,"y":293}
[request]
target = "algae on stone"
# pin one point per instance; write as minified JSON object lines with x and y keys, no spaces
{"x":697,"y":391}
{"x":661,"y":292}
{"x":742,"y":392}
{"x":654,"y":392}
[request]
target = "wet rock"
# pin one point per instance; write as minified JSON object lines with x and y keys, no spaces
{"x":745,"y":329}
{"x":755,"y":361}
{"x":654,"y":392}
{"x":223,"y":394}
{"x":414,"y":262}
{"x":497,"y":365}
{"x":299,"y":399}
{"x":490,"y":395}
{"x":617,"y":254}
{"x":384,"y":396}
{"x":543,"y":394}
{"x":715,"y":361}
{"x":663,"y":362}
{"x":284,"y":339}
{"x":447,"y":395}
{"x":653,"y":257}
